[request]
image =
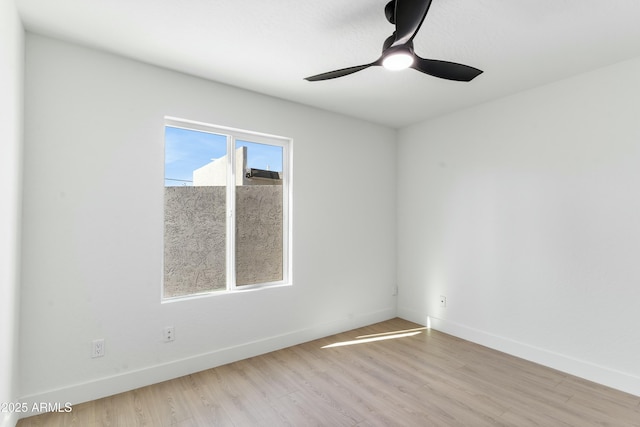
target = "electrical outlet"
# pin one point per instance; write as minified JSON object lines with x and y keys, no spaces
{"x":394,"y":290}
{"x":169,"y":334}
{"x":443,"y":301}
{"x":97,"y":348}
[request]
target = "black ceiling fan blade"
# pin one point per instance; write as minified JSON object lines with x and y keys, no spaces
{"x":409,"y":16}
{"x":445,"y":69}
{"x":340,"y":73}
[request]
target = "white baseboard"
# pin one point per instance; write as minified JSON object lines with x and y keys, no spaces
{"x":8,"y":419}
{"x":413,"y":316}
{"x":107,"y":386}
{"x":570,"y":365}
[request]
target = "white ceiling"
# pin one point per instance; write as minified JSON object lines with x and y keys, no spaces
{"x":270,"y":46}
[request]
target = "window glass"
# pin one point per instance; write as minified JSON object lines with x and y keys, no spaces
{"x":259,"y":214}
{"x":194,"y":212}
{"x":221,"y":237}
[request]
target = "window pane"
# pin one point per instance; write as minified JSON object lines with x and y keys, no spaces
{"x":194,"y":212}
{"x":259,"y":213}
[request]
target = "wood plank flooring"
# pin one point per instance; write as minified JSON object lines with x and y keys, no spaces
{"x":425,"y":379}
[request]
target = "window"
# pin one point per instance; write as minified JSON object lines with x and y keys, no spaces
{"x":226,"y":209}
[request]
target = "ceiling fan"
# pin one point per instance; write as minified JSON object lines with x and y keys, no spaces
{"x":397,"y":50}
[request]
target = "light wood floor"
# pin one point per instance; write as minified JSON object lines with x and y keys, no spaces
{"x":428,"y":379}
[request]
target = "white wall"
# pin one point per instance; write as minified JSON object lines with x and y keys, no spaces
{"x":93,"y":206}
{"x":11,"y":72}
{"x":525,"y":214}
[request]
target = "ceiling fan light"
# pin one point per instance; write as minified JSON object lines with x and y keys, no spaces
{"x":397,"y":61}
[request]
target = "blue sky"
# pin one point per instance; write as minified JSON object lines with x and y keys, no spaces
{"x":187,"y":150}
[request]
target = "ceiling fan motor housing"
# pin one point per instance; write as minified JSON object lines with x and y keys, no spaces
{"x":390,"y":11}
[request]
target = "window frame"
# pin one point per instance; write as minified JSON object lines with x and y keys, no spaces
{"x":232,"y":136}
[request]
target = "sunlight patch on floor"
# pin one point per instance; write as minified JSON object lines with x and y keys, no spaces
{"x":362,"y":339}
